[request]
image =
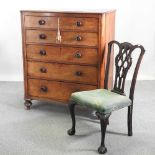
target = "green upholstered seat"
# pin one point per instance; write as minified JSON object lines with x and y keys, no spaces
{"x":102,"y":100}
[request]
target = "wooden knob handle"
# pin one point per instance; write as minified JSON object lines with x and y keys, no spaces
{"x":78,"y":73}
{"x":44,"y":89}
{"x":42,"y":52}
{"x":78,"y":38}
{"x":78,"y":23}
{"x":42,"y":36}
{"x":41,"y":22}
{"x":78,"y":55}
{"x":43,"y":70}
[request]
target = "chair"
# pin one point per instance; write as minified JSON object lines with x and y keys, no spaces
{"x":104,"y":101}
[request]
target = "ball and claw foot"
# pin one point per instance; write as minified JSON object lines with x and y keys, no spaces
{"x":102,"y":150}
{"x":28,"y":104}
{"x":71,"y":132}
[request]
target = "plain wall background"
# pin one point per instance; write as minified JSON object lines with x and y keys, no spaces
{"x":135,"y":22}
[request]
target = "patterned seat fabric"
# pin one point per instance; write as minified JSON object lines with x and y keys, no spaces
{"x":102,"y":100}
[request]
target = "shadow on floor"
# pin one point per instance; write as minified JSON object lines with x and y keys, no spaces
{"x":82,"y":114}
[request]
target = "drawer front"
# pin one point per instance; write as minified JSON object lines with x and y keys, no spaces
{"x":41,"y":22}
{"x":75,"y":73}
{"x":64,"y":54}
{"x":80,"y":55}
{"x":40,"y":36}
{"x":68,"y":38}
{"x":79,"y":38}
{"x":43,"y":53}
{"x":87,"y":24}
{"x":54,"y":90}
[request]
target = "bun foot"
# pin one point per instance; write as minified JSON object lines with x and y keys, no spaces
{"x":102,"y":150}
{"x":28,"y":104}
{"x":71,"y":132}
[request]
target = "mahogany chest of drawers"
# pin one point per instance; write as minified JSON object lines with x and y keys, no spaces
{"x":64,"y":52}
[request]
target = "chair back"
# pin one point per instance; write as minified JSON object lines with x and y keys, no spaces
{"x":123,"y":62}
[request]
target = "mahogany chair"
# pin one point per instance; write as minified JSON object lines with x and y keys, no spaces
{"x":104,"y":101}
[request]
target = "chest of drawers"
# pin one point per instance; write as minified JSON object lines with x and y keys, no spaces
{"x":64,"y":52}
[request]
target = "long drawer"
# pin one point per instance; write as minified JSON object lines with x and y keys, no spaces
{"x":54,"y":90}
{"x":66,"y":23}
{"x":55,"y":71}
{"x":63,"y":54}
{"x":68,"y":38}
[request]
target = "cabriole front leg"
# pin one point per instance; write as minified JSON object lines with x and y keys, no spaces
{"x":72,"y":113}
{"x":28,"y":104}
{"x":104,"y":120}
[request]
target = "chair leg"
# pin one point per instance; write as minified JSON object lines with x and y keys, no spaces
{"x":130,"y":108}
{"x":71,"y":109}
{"x":104,"y":120}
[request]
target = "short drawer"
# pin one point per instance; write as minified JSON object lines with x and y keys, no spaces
{"x":63,"y":54}
{"x":54,"y":90}
{"x":43,"y":52}
{"x":79,"y":38}
{"x":82,"y":24}
{"x":63,"y":72}
{"x":67,"y":38}
{"x":41,"y":22}
{"x":40,"y":36}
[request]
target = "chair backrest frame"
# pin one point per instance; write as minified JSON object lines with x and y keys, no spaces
{"x":123,"y":62}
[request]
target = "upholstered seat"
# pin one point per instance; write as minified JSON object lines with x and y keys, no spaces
{"x":102,"y":100}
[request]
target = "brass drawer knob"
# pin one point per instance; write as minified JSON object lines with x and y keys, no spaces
{"x":42,"y":52}
{"x":43,"y":70}
{"x":78,"y":38}
{"x":78,"y":23}
{"x":43,"y":88}
{"x":78,"y":55}
{"x":41,"y":22}
{"x":42,"y":36}
{"x":78,"y":73}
